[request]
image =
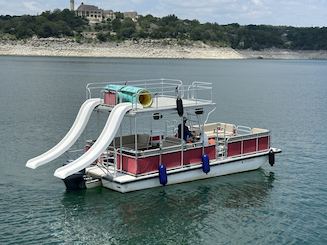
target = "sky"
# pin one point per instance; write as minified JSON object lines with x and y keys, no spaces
{"x":272,"y":12}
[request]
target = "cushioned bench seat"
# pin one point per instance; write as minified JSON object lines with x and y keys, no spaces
{"x":223,"y":129}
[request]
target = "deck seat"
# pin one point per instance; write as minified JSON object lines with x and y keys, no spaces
{"x":223,"y":129}
{"x":128,"y":141}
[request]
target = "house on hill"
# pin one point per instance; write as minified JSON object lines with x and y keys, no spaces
{"x":97,"y":15}
{"x":90,"y":12}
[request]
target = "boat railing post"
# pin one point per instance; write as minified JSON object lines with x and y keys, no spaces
{"x":115,"y":157}
{"x":115,"y":162}
{"x":188,"y":91}
{"x":156,"y":99}
{"x":217,"y":145}
{"x":121,"y":147}
{"x":135,"y":139}
{"x":202,"y":133}
{"x":182,"y":142}
{"x":226,"y":147}
{"x":196,"y":91}
{"x":160,"y":149}
{"x":162,"y":86}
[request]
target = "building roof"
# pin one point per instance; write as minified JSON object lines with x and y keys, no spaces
{"x":85,"y":7}
{"x":130,"y":12}
{"x":108,"y":11}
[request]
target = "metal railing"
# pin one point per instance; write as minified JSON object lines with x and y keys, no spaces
{"x":171,"y":88}
{"x":159,"y":86}
{"x":73,"y":154}
{"x":250,"y":136}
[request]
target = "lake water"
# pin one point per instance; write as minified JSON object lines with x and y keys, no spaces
{"x":284,"y":204}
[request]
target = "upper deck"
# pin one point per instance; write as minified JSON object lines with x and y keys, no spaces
{"x":164,"y":93}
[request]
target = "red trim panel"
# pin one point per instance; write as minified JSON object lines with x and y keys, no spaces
{"x":171,"y":160}
{"x":234,"y":149}
{"x":263,"y":143}
{"x":249,"y":146}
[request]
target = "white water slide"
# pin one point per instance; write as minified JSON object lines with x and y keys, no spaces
{"x":106,"y":137}
{"x":73,"y":134}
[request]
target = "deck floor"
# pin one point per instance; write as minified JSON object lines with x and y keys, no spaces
{"x":166,"y":103}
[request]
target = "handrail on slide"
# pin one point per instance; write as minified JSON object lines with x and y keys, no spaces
{"x":73,"y":134}
{"x":104,"y":140}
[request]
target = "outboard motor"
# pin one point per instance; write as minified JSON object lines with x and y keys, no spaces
{"x":75,"y":181}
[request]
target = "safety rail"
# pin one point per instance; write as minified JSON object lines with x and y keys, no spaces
{"x":169,"y":88}
{"x":73,"y":154}
{"x":197,"y":86}
{"x":156,"y":85}
{"x":242,"y":145}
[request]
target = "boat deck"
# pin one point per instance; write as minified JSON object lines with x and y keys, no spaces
{"x":163,"y":103}
{"x":100,"y":172}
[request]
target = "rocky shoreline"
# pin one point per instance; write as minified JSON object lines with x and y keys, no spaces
{"x":63,"y":47}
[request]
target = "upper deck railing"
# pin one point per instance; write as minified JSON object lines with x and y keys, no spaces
{"x":195,"y":92}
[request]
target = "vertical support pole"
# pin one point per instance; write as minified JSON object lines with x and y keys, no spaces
{"x":182,"y":142}
{"x":160,"y":149}
{"x":217,"y":145}
{"x":156,"y":99}
{"x":135,"y":139}
{"x":130,"y":126}
{"x":225,"y":138}
{"x":121,"y":146}
{"x":151,"y":129}
{"x":202,"y":133}
{"x":166,"y":129}
{"x":115,"y":161}
{"x":98,"y":120}
{"x":161,"y":87}
{"x":197,"y":95}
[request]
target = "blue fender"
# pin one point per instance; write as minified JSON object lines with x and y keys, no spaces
{"x":205,"y":164}
{"x":163,"y":175}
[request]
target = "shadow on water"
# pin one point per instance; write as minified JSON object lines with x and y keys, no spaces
{"x":152,"y":213}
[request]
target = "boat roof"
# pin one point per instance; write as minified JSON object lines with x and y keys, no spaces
{"x":164,"y":94}
{"x":163,"y":104}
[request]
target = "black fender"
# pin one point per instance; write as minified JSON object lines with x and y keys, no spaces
{"x":271,"y":157}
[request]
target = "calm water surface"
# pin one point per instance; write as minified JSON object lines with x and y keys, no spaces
{"x":286,"y":204}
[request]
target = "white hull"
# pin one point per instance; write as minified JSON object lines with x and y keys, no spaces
{"x":218,"y":168}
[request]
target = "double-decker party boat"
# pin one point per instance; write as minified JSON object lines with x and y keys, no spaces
{"x":157,"y":133}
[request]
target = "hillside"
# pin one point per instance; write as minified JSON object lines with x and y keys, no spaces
{"x":64,"y":23}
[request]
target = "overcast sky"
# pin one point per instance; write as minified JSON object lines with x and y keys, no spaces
{"x":274,"y":12}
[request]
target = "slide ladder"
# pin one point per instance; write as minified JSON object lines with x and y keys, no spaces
{"x":73,"y":134}
{"x":101,"y":144}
